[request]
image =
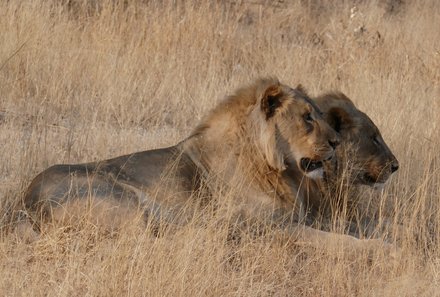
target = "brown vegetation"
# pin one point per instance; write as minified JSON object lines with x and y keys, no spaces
{"x":88,"y":80}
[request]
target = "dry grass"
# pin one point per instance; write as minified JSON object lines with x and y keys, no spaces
{"x":87,"y":80}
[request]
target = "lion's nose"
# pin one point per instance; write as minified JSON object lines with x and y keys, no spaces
{"x":394,"y":166}
{"x":333,"y":143}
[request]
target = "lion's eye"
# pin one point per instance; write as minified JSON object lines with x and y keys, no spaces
{"x":308,"y":117}
{"x":375,"y":140}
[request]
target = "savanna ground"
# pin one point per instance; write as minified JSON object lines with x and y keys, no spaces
{"x":87,"y":80}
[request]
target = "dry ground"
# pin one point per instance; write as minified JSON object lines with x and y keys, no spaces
{"x":86,"y":80}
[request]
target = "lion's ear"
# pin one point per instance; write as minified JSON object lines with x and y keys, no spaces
{"x":339,"y":119}
{"x":300,"y":88}
{"x":271,"y":100}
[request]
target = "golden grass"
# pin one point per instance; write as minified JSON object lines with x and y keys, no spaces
{"x":87,"y":80}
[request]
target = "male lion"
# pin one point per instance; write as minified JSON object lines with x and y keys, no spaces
{"x":362,"y":158}
{"x":263,"y":141}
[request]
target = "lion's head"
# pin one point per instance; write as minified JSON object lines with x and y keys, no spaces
{"x":268,"y":124}
{"x":293,"y":132}
{"x":373,"y":162}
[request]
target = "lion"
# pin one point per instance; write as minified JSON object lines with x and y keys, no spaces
{"x":263,"y":140}
{"x":362,"y":159}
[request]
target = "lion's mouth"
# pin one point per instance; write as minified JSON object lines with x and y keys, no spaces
{"x":372,"y":181}
{"x":376,"y":182}
{"x":309,"y":165}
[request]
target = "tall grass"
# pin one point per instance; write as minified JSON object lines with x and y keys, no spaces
{"x":87,"y":80}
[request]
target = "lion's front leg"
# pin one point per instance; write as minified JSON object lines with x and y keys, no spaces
{"x":339,"y":242}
